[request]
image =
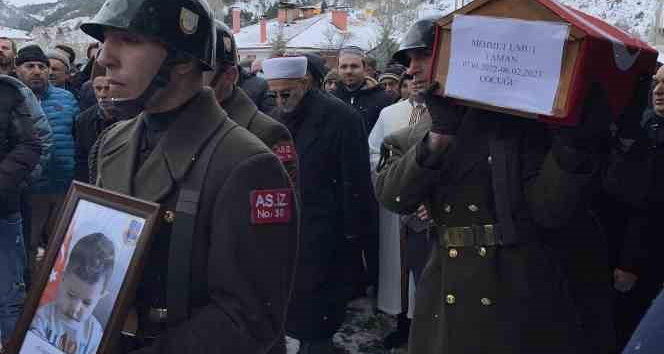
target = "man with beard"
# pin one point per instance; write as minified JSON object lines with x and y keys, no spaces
{"x":500,"y":188}
{"x":60,"y":107}
{"x":357,"y":90}
{"x":241,"y":108}
{"x":334,"y":189}
{"x":7,"y":55}
{"x":90,"y":123}
{"x":368,"y":99}
{"x":218,"y":276}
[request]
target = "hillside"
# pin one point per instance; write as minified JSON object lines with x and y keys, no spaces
{"x":633,"y":16}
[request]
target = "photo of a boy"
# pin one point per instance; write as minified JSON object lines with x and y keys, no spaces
{"x":68,"y":323}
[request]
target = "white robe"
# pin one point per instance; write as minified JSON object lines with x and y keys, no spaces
{"x":391,"y":119}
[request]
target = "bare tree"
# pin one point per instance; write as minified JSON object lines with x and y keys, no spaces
{"x":333,"y":39}
{"x":279,"y":42}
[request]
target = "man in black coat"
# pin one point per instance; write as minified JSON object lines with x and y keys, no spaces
{"x":363,"y":93}
{"x":334,"y":190}
{"x":635,"y":179}
{"x":359,"y":90}
{"x":89,"y":124}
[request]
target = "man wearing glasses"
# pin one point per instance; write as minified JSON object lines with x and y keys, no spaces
{"x":334,"y":191}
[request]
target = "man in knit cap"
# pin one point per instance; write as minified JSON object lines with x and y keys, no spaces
{"x":332,"y":79}
{"x":60,"y":67}
{"x":391,"y":78}
{"x":334,"y":190}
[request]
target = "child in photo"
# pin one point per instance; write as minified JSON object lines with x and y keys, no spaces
{"x":68,"y":323}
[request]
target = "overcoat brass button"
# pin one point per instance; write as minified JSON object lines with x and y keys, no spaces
{"x":398,"y":199}
{"x":453,"y":253}
{"x":169,"y":216}
{"x":447,"y":208}
{"x":486,"y":301}
{"x":482,"y":252}
{"x":450,"y":299}
{"x":489,"y":160}
{"x":474,"y":208}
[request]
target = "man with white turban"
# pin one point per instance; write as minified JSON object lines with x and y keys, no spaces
{"x":334,"y":188}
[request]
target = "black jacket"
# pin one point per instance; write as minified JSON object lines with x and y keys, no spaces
{"x":368,"y":101}
{"x":335,"y":189}
{"x":21,"y":140}
{"x":89,"y":124}
{"x":635,"y":177}
{"x":256,"y":88}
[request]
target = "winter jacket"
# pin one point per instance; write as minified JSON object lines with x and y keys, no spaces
{"x":21,"y":140}
{"x":61,"y":108}
{"x":368,"y":101}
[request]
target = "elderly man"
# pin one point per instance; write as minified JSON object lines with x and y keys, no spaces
{"x":334,"y":189}
{"x":90,"y":123}
{"x":500,"y":188}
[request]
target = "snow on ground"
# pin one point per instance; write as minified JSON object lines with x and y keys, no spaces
{"x":363,"y":331}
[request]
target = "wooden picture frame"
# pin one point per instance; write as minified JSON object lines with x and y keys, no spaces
{"x":71,"y":301}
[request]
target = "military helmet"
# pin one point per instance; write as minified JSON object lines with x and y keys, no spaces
{"x":226,"y":48}
{"x":184,"y":26}
{"x":421,"y":35}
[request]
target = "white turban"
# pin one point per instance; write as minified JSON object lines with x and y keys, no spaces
{"x":285,"y":68}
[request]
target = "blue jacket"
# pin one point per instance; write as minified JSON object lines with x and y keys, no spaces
{"x":61,"y":108}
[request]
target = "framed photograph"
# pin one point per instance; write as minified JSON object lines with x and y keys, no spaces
{"x":81,"y":295}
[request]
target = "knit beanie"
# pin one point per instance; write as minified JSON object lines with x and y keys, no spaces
{"x":59,"y":55}
{"x":30,"y":53}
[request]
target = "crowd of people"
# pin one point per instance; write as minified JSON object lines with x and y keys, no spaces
{"x":479,"y":231}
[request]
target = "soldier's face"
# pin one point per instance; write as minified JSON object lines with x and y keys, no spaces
{"x":658,"y":92}
{"x":222,"y":81}
{"x":420,"y":69}
{"x":131,"y":61}
{"x":351,"y":69}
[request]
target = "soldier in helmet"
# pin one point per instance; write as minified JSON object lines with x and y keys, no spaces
{"x":240,"y":108}
{"x":218,"y":274}
{"x":499,"y":189}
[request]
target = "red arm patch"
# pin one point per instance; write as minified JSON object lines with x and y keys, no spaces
{"x":285,"y":151}
{"x":271,"y":206}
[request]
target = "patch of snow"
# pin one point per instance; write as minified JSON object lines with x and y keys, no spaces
{"x":37,"y":17}
{"x":14,"y":33}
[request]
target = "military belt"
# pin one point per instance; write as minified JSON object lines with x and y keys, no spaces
{"x":471,"y":236}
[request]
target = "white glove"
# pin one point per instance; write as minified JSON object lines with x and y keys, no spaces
{"x":292,"y":345}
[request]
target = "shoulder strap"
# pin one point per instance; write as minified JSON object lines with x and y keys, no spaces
{"x":179,"y":269}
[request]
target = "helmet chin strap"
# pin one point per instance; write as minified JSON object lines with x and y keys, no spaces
{"x":124,"y":108}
